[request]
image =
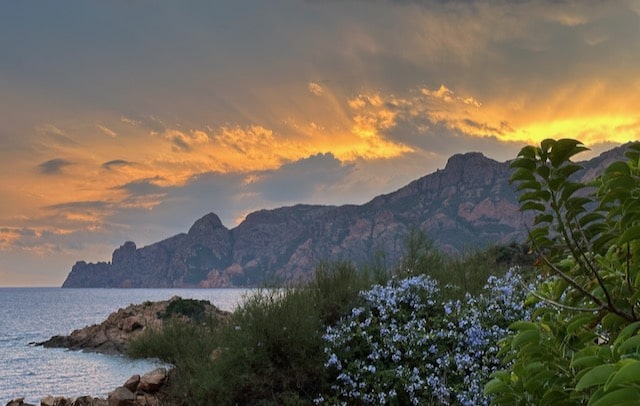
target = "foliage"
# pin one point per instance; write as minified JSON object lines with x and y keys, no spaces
{"x":191,"y":308}
{"x":269,"y":352}
{"x":405,"y":345}
{"x":463,"y":274}
{"x":583,"y":345}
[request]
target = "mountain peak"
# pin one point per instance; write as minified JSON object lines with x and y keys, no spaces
{"x":206,"y":225}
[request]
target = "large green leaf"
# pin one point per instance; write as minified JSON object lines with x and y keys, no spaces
{"x":595,"y":376}
{"x":628,"y":373}
{"x":631,"y":343}
{"x":525,"y":337}
{"x":522,"y":174}
{"x":564,"y":149}
{"x":619,"y":397}
{"x":617,"y":167}
{"x":496,"y":386}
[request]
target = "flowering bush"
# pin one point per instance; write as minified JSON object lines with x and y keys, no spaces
{"x":403,"y":345}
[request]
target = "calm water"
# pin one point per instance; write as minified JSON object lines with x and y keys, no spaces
{"x":35,"y":314}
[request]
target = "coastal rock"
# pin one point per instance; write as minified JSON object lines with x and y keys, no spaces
{"x":152,"y":381}
{"x":132,"y":383}
{"x":114,"y":334}
{"x":57,"y":401}
{"x":89,"y":401}
{"x":122,"y":396}
{"x":18,"y":402}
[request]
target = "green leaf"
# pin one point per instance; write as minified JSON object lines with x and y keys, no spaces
{"x":532,"y":206}
{"x":589,"y":218}
{"x":525,"y":337}
{"x":631,"y":234}
{"x":595,"y":376}
{"x":631,"y":343}
{"x":569,"y":170}
{"x":564,"y":149}
{"x":543,"y":171}
{"x":523,"y":325}
{"x":523,"y":162}
{"x":528,"y":185}
{"x":522,"y":174}
{"x":628,"y":331}
{"x":620,"y":397}
{"x":570,"y":189}
{"x":578,"y":321}
{"x":528,"y":152}
{"x":586,"y":361}
{"x":627,"y":374}
{"x":617,"y":167}
{"x":496,"y":386}
{"x":537,"y":195}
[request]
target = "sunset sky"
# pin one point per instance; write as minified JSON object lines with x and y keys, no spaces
{"x":130,"y":119}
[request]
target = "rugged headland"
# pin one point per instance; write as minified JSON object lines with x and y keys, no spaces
{"x":113,"y":335}
{"x":469,"y":204}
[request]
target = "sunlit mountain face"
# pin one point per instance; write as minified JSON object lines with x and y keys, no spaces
{"x":127,"y":120}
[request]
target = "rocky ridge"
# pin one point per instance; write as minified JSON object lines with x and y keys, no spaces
{"x":468,"y":204}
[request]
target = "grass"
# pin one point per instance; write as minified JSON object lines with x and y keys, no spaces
{"x":271,"y":351}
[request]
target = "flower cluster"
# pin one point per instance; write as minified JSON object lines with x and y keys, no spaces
{"x":404,"y":345}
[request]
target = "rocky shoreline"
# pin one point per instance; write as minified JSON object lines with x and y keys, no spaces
{"x":145,"y":390}
{"x":113,"y":336}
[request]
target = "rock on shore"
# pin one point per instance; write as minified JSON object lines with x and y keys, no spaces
{"x":114,"y":334}
{"x":136,"y":391}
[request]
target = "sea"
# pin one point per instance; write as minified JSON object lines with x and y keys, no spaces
{"x":29,"y":315}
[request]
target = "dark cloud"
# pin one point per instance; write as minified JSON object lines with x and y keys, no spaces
{"x":53,"y":166}
{"x":142,"y":187}
{"x":300,"y":180}
{"x":97,"y":205}
{"x":180,"y":144}
{"x":439,"y":138}
{"x":116,"y":163}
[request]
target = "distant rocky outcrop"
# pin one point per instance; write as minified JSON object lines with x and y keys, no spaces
{"x":469,"y":204}
{"x":113,"y":335}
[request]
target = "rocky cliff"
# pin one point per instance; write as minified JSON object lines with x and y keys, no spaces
{"x":468,"y":204}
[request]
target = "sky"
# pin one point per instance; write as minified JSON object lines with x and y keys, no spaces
{"x":130,"y":119}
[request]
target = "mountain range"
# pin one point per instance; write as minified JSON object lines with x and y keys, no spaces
{"x":467,"y":205}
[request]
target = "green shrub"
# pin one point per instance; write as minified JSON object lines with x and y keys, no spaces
{"x":583,"y":347}
{"x":191,"y":308}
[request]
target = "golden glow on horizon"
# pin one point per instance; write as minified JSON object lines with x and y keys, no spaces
{"x":589,"y":130}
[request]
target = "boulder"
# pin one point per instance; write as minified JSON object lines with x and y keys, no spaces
{"x":152,"y":381}
{"x":18,"y":402}
{"x":132,"y":383}
{"x":56,"y":401}
{"x":89,"y":401}
{"x":121,"y":396}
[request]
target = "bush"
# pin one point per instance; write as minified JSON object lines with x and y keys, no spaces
{"x":270,"y":351}
{"x":404,"y":345}
{"x":582,"y":346}
{"x":191,"y":308}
